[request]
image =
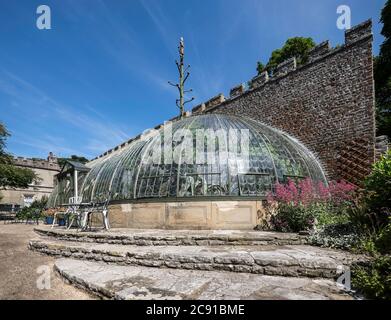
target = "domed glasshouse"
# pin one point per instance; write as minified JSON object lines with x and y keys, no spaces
{"x":206,"y":171}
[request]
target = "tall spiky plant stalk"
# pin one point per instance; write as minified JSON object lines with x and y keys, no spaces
{"x":183,"y":76}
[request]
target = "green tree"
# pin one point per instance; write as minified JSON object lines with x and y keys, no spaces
{"x":382,"y":69}
{"x":4,"y":134}
{"x":260,"y":67}
{"x":298,"y":47}
{"x":12,"y":176}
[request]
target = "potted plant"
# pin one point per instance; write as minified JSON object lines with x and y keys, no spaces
{"x":61,"y":221}
{"x":49,"y":215}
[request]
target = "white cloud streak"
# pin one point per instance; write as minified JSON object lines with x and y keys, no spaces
{"x":97,"y":131}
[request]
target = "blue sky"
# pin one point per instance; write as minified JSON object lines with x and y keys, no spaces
{"x":99,"y":76}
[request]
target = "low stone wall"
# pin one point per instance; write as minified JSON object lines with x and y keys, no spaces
{"x":175,"y":237}
{"x":292,"y":262}
{"x":200,"y":215}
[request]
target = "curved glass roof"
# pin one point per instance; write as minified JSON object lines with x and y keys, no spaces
{"x":247,"y":161}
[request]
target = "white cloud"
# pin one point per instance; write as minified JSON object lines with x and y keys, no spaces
{"x":91,"y":127}
{"x":162,"y":24}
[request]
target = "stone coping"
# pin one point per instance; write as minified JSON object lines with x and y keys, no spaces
{"x":142,"y":283}
{"x":293,"y":261}
{"x":159,"y":237}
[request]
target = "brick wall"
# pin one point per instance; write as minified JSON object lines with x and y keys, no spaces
{"x":328,"y":104}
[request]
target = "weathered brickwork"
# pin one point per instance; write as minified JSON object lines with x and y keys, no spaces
{"x":237,"y":91}
{"x":259,"y":80}
{"x":328,"y":104}
{"x":215,"y":101}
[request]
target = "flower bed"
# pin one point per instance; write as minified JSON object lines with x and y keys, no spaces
{"x":305,"y":205}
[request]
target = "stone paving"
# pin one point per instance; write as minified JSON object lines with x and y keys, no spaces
{"x":142,"y":283}
{"x":157,"y":237}
{"x":272,"y":260}
{"x":167,"y":264}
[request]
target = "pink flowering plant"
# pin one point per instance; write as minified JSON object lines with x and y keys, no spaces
{"x":303,"y":205}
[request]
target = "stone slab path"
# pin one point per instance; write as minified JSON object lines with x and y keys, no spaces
{"x":183,"y":264}
{"x":136,"y":282}
{"x":146,"y":237}
{"x":292,"y":261}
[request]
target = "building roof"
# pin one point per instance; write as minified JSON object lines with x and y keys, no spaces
{"x":70,"y":166}
{"x":78,"y":165}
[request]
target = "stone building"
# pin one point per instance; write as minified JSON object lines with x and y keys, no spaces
{"x":313,"y":121}
{"x":46,"y":169}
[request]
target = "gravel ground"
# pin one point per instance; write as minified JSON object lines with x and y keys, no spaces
{"x":19,"y":268}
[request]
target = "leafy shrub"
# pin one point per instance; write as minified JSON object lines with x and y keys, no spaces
{"x":361,"y":216}
{"x":340,"y":236}
{"x":378,"y":242}
{"x":293,"y":219}
{"x":366,"y":246}
{"x":383,"y":240}
{"x":328,"y":216}
{"x":368,"y":231}
{"x":373,"y":279}
{"x":303,"y":205}
{"x":352,"y":236}
{"x":370,"y":212}
{"x":378,"y":190}
{"x":33,"y":210}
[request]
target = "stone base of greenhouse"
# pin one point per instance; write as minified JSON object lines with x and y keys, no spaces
{"x":198,"y":215}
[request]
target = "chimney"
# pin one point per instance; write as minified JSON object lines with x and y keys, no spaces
{"x":51,"y":157}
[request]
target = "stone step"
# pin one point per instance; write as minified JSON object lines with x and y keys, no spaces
{"x":143,"y":283}
{"x":175,"y":237}
{"x":292,"y":261}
